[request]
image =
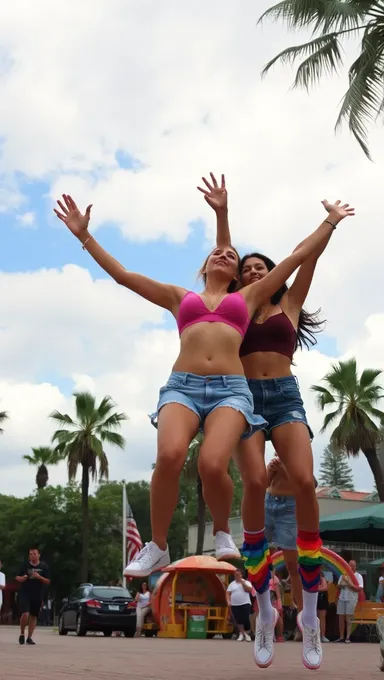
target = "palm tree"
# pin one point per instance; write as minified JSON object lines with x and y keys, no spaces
{"x":81,"y":443}
{"x":330,"y":22}
{"x":191,"y":473}
{"x":3,"y":417}
{"x":41,"y":457}
{"x":355,"y":400}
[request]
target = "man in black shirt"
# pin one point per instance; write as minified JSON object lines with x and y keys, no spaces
{"x":33,"y":576}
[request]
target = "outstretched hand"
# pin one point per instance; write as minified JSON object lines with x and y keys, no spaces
{"x":215,"y":195}
{"x":72,"y":217}
{"x":339,"y":210}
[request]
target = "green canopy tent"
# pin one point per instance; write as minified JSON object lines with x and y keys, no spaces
{"x":365,"y":525}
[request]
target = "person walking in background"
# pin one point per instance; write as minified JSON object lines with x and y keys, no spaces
{"x":239,"y":601}
{"x":348,"y":599}
{"x":33,"y":576}
{"x":2,"y":586}
{"x":322,"y":606}
{"x":143,"y":600}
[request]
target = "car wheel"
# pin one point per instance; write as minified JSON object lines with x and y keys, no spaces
{"x":62,"y":630}
{"x":129,"y":633}
{"x":107,"y":633}
{"x":80,"y":630}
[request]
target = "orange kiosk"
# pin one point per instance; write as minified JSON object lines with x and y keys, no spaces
{"x":192,"y":587}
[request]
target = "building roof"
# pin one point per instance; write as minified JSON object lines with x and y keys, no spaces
{"x":332,"y":492}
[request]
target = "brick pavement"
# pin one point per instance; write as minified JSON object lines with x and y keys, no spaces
{"x":98,"y":658}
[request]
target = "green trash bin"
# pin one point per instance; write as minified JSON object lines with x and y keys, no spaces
{"x":197,"y":627}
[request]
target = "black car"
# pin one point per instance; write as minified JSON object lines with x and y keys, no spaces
{"x":98,"y":608}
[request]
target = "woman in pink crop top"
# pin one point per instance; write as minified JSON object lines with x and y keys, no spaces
{"x":207,"y":388}
{"x":276,"y":330}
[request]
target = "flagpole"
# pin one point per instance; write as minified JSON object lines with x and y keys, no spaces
{"x":124,"y":524}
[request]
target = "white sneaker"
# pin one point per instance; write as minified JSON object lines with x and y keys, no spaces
{"x":240,"y":638}
{"x":149,"y":559}
{"x":312,"y":651}
{"x":263,"y":647}
{"x":247,"y":637}
{"x":225,"y":547}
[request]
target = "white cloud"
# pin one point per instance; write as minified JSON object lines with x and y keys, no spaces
{"x":27,"y":219}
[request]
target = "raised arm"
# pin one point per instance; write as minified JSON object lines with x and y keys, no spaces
{"x":161,"y":294}
{"x":260,"y":291}
{"x":293,"y":300}
{"x":216,"y":196}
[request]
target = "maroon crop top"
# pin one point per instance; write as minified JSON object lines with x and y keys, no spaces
{"x":276,"y":334}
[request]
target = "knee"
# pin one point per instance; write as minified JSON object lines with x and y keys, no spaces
{"x":255,"y":484}
{"x":211,"y":469}
{"x":304,"y":484}
{"x":170,"y":459}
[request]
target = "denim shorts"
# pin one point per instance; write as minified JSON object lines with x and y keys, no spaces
{"x":278,"y":401}
{"x":280,"y":521}
{"x":203,"y":394}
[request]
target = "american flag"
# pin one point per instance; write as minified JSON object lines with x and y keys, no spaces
{"x":134,"y":542}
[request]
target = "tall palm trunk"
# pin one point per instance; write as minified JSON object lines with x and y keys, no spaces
{"x":377,"y":470}
{"x":200,"y":517}
{"x":85,"y":528}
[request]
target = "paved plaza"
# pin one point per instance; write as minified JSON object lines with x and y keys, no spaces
{"x":98,"y":658}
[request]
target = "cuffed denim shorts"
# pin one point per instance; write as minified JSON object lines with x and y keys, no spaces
{"x":280,"y":521}
{"x":278,"y":401}
{"x":203,"y":394}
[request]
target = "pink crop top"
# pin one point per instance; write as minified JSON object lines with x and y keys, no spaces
{"x":232,"y":310}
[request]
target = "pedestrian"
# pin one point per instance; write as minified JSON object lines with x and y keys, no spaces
{"x":348,"y":599}
{"x":239,"y":601}
{"x":143,"y":605}
{"x":33,"y":576}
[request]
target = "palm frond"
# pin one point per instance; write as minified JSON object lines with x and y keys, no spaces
{"x":318,"y":14}
{"x":112,"y":421}
{"x":323,"y":396}
{"x":105,"y":407}
{"x":85,"y":406}
{"x":63,"y":436}
{"x":31,"y":460}
{"x":322,"y":56}
{"x":113,"y":438}
{"x":62,"y":418}
{"x":363,"y":99}
{"x":369,"y":376}
{"x":328,"y":419}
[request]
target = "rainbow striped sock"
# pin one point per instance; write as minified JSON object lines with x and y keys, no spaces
{"x":309,"y":558}
{"x":257,"y":559}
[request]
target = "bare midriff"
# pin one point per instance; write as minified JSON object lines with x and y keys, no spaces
{"x":280,"y":485}
{"x":210,"y":349}
{"x":265,"y":365}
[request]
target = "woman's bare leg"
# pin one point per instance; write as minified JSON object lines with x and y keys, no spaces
{"x":249,"y":458}
{"x":222,"y":431}
{"x":177,"y":426}
{"x":293,"y":446}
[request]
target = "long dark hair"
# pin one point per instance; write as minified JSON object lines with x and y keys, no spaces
{"x":309,"y":324}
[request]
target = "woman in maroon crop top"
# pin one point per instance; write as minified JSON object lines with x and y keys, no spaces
{"x":277,"y":329}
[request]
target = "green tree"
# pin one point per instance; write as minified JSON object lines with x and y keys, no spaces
{"x":40,"y":458}
{"x":81,"y":442}
{"x":3,"y":416}
{"x":356,"y":414}
{"x":330,"y":22}
{"x":334,"y":469}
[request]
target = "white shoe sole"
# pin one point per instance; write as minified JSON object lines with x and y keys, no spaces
{"x":228,"y":556}
{"x":139,"y":573}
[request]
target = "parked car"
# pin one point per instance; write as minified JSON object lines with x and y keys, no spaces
{"x":98,"y":608}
